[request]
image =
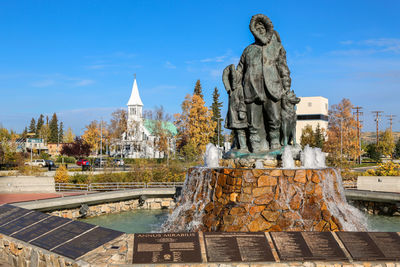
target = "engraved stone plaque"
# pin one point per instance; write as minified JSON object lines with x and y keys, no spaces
{"x":87,"y":242}
{"x":291,"y":246}
{"x":388,"y":243}
{"x":9,"y":213}
{"x":166,"y":248}
{"x":361,"y":246}
{"x":62,"y":234}
{"x":236,"y":247}
{"x":323,"y":246}
{"x":22,"y":222}
{"x":40,"y":228}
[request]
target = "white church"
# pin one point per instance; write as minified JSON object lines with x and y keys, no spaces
{"x":139,"y":141}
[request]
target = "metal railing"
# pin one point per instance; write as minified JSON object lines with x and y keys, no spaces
{"x":113,"y":186}
{"x":350,"y":184}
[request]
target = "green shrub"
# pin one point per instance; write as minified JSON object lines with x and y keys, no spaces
{"x":66,"y":159}
{"x":78,"y":178}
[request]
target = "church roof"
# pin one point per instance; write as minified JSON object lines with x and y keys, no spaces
{"x":167,"y":125}
{"x":135,"y":100}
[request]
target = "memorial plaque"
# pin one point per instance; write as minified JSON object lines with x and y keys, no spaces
{"x":9,"y":213}
{"x":291,"y":246}
{"x":236,"y":247}
{"x":40,"y":228}
{"x":166,"y":248}
{"x":62,"y":234}
{"x":87,"y":242}
{"x":361,"y":246}
{"x":22,"y":222}
{"x":323,"y":246}
{"x":388,"y":243}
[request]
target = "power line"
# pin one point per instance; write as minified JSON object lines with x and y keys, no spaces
{"x":377,"y":117}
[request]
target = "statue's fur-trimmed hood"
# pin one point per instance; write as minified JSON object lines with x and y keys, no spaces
{"x":268,"y":27}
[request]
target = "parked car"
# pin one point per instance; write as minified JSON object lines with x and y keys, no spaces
{"x":49,"y":163}
{"x":118,"y":162}
{"x":36,"y":162}
{"x":100,"y":162}
{"x":81,"y":162}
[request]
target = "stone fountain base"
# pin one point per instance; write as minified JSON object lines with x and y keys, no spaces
{"x":231,"y":200}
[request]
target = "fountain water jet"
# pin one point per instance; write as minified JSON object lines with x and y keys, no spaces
{"x":234,"y":199}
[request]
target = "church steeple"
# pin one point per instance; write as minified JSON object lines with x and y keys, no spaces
{"x":135,"y":104}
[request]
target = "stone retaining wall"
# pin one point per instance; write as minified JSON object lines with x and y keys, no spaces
{"x":116,"y":207}
{"x":18,"y":253}
{"x":119,"y":252}
{"x":376,"y":208}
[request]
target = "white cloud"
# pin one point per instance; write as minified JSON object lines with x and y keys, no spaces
{"x":43,"y":83}
{"x":84,"y":82}
{"x":348,"y":42}
{"x":370,"y":46}
{"x":214,"y":59}
{"x":169,"y":65}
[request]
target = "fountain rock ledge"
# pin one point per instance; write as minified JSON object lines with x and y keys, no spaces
{"x":253,"y":200}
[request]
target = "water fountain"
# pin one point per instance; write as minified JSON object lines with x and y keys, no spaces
{"x":250,"y":191}
{"x":277,"y":199}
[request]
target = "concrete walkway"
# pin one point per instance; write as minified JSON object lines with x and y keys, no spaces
{"x":21,"y":197}
{"x":76,"y":201}
{"x":354,"y":194}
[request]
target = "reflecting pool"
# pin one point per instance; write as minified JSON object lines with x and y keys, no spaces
{"x":383,"y":223}
{"x":145,"y":221}
{"x":138,"y":221}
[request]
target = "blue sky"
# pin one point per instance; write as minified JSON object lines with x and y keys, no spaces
{"x":77,"y":58}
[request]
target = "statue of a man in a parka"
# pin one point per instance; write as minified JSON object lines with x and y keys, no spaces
{"x":265,"y":78}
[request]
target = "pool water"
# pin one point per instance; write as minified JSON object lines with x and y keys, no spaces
{"x":145,"y":221}
{"x":381,"y":223}
{"x":138,"y":221}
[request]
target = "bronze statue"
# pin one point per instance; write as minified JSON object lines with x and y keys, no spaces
{"x":256,"y":89}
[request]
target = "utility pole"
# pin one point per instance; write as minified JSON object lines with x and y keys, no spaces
{"x":101,"y":141}
{"x":391,"y":121}
{"x":341,"y":142}
{"x":377,"y":118}
{"x":358,"y":113}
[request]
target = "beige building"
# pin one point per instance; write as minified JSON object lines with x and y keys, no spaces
{"x":54,"y":149}
{"x":311,"y":110}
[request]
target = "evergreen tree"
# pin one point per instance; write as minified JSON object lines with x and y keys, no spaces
{"x":53,"y":129}
{"x":319,"y":137}
{"x":216,"y":117}
{"x":39,"y":125}
{"x":32,"y":126}
{"x":61,"y":131}
{"x":197,"y":90}
{"x":307,"y":137}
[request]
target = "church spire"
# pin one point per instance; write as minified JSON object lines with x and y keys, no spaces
{"x":135,"y":100}
{"x":135,"y":104}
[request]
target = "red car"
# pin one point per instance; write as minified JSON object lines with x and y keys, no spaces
{"x":82,"y":162}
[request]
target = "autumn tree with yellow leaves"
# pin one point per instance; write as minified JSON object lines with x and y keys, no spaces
{"x":386,"y":144}
{"x":92,"y":135}
{"x":195,"y":126}
{"x":342,"y":134}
